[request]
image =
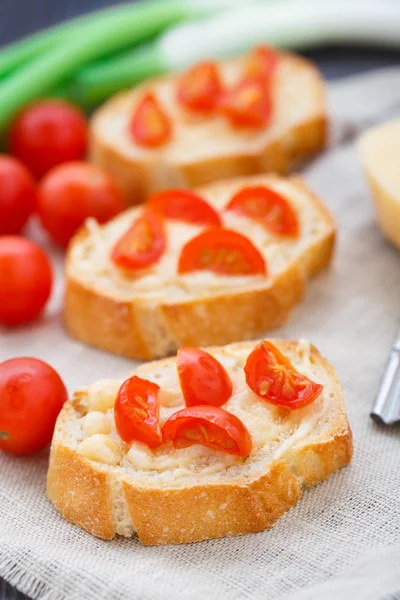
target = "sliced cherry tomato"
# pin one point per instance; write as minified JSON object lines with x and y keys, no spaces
{"x":221,"y":251}
{"x":261,"y":64}
{"x":71,"y":193}
{"x":210,"y":426}
{"x":202,"y":377}
{"x":270,"y":375}
{"x":17,"y":195}
{"x":185,"y":205}
{"x":25,"y":280}
{"x":48,"y":133}
{"x":268,"y":207}
{"x":136,"y":412}
{"x":31,"y":397}
{"x":143,"y":244}
{"x":150,"y":126}
{"x":248,"y":104}
{"x":199,"y":89}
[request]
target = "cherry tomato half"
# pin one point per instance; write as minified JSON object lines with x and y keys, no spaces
{"x":71,"y":193}
{"x":248,"y":104}
{"x":48,"y":133}
{"x":268,"y":207}
{"x":185,"y":205}
{"x":136,"y":412}
{"x":221,"y":251}
{"x":199,"y":88}
{"x":261,"y":64}
{"x":271,"y":376}
{"x":25,"y":280}
{"x":210,"y":426}
{"x":17,"y":195}
{"x":150,"y":125}
{"x":31,"y":397}
{"x":143,"y":244}
{"x":202,"y":377}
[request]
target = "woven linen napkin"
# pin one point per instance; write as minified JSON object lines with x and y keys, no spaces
{"x":343,"y":538}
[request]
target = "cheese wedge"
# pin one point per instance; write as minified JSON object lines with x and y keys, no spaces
{"x":380,"y":151}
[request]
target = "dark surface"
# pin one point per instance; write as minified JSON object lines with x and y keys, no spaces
{"x":21,"y":17}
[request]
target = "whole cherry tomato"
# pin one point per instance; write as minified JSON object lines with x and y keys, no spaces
{"x":31,"y":397}
{"x":210,"y":426}
{"x":202,"y":377}
{"x":71,"y":193}
{"x":25,"y":280}
{"x":136,"y":412}
{"x":48,"y":133}
{"x":271,"y":376}
{"x":17,"y":195}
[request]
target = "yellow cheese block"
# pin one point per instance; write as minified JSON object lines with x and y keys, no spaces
{"x":380,"y":153}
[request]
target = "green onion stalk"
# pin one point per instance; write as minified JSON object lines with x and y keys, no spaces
{"x":85,"y":41}
{"x":295,"y":24}
{"x":19,"y":53}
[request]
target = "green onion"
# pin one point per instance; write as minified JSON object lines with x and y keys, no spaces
{"x":96,"y":83}
{"x":287,"y":23}
{"x":94,"y":39}
{"x":18,"y":53}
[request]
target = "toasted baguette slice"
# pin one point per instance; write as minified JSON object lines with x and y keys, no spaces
{"x":380,"y":148}
{"x":205,"y":149}
{"x":172,"y":496}
{"x":152,"y":314}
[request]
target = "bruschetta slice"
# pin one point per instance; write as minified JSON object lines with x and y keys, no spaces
{"x":224,"y":263}
{"x":142,"y":456}
{"x":262,"y":112}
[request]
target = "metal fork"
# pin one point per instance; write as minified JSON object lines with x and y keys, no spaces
{"x":386,"y":408}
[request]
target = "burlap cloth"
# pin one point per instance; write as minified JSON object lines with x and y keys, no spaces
{"x":343,"y":539}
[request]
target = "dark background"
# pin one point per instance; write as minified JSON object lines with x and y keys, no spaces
{"x":21,"y":17}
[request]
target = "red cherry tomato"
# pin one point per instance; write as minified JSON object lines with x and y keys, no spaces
{"x":31,"y":397}
{"x":48,"y":133}
{"x":185,"y":205}
{"x":71,"y":193}
{"x":210,"y":426}
{"x":261,"y":64}
{"x":25,"y":280}
{"x":136,"y":412}
{"x":249,"y":104}
{"x":202,"y":377}
{"x":150,"y":125}
{"x":270,"y":375}
{"x":142,"y":245}
{"x":222,"y":251}
{"x":268,"y":207}
{"x":17,"y":195}
{"x":199,"y":88}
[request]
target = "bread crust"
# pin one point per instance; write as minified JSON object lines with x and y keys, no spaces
{"x":138,"y":329}
{"x":80,"y":488}
{"x":141,"y":331}
{"x":137,"y":178}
